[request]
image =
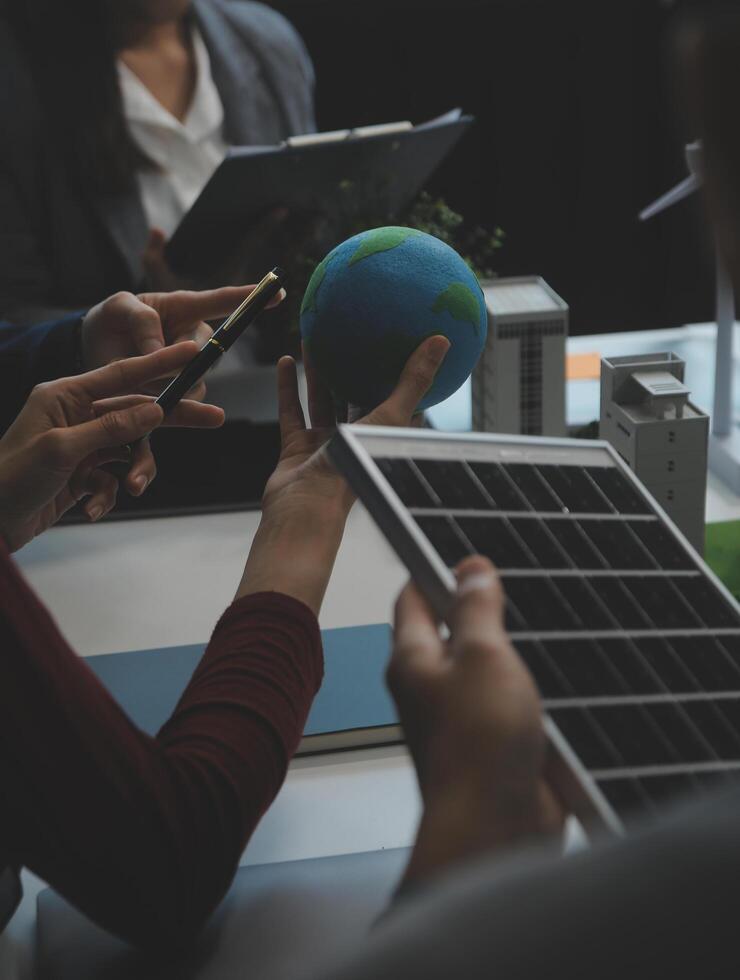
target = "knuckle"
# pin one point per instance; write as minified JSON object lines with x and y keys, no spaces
{"x":42,"y":392}
{"x":117,"y":302}
{"x":112,"y":423}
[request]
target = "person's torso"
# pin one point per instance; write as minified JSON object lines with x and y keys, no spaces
{"x":92,"y":243}
{"x":184,"y":153}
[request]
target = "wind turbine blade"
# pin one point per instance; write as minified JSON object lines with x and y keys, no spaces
{"x":683,"y":190}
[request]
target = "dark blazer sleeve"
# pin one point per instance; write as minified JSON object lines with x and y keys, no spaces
{"x":29,"y":356}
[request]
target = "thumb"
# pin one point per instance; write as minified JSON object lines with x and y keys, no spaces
{"x":115,"y":428}
{"x":416,"y":379}
{"x":478,"y":617}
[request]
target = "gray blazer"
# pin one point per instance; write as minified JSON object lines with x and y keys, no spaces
{"x":62,"y":248}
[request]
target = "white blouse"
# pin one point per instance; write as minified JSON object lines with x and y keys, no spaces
{"x":186,"y":153}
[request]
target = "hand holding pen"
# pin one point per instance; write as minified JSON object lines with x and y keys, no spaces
{"x":223,"y":338}
{"x":265,"y":294}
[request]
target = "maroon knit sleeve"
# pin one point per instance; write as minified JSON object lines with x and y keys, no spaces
{"x":145,"y":834}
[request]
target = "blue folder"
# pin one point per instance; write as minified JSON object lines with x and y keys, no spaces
{"x":352,"y":709}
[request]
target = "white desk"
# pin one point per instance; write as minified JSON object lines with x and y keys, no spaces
{"x":114,"y":587}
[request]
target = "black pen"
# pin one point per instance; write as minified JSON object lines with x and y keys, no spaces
{"x":223,"y":338}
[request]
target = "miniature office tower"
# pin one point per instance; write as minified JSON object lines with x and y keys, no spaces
{"x":648,"y":418}
{"x":519,"y":383}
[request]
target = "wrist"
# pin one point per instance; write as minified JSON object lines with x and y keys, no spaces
{"x":293,"y":552}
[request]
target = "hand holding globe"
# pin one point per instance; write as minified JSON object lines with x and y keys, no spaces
{"x":375,"y":298}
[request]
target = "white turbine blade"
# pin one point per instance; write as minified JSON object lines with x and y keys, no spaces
{"x":685,"y":189}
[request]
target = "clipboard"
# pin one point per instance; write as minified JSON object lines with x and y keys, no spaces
{"x":378,"y":169}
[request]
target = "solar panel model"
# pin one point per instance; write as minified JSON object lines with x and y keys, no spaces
{"x":633,"y":642}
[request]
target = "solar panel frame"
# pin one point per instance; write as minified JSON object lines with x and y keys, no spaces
{"x":354,"y":450}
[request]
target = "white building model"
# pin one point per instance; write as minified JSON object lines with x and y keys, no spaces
{"x":519,"y":382}
{"x":647,"y":417}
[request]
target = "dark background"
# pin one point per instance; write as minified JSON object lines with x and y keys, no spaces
{"x":577,"y":131}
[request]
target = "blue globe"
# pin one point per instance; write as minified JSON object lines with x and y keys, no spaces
{"x":375,"y":298}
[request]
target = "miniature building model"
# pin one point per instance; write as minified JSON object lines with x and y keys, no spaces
{"x":647,"y":417}
{"x":519,"y":382}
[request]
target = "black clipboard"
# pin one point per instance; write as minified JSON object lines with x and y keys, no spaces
{"x":372,"y":170}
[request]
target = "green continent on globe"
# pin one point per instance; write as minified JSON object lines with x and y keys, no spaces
{"x":309,"y":297}
{"x":459,"y":300}
{"x":381,"y":240}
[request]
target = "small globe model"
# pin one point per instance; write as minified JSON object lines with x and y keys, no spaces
{"x":375,"y":298}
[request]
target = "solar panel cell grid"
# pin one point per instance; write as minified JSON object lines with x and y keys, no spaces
{"x":626,"y":657}
{"x":622,"y":495}
{"x":502,"y":490}
{"x":497,"y":539}
{"x":634,"y":650}
{"x":575,"y":544}
{"x":540,"y":543}
{"x":533,"y":488}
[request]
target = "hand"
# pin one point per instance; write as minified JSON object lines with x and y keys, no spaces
{"x":126,"y":325}
{"x":51,"y":455}
{"x":304,"y":477}
{"x":472,"y":718}
{"x":306,"y":502}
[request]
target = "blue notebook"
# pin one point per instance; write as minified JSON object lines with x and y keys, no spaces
{"x":352,"y":709}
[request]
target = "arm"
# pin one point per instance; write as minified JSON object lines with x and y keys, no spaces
{"x":144,"y":835}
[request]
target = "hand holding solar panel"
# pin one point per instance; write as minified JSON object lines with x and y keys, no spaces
{"x":472,"y":719}
{"x":634,"y":645}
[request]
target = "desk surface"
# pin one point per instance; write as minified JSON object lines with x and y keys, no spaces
{"x":111,"y":588}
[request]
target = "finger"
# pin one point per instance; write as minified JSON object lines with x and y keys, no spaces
{"x":179,"y":330}
{"x":290,"y":411}
{"x":66,"y":448}
{"x":320,"y":401}
{"x":143,"y":469}
{"x":103,"y":490}
{"x":201,"y":335}
{"x":208,"y":303}
{"x":143,"y":324}
{"x":417,"y":645}
{"x":416,"y":379}
{"x":478,"y":616}
{"x":198,"y":392}
{"x":78,"y":482}
{"x":188,"y":413}
{"x":130,"y":375}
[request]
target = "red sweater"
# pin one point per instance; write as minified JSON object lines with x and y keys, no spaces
{"x":145,"y":834}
